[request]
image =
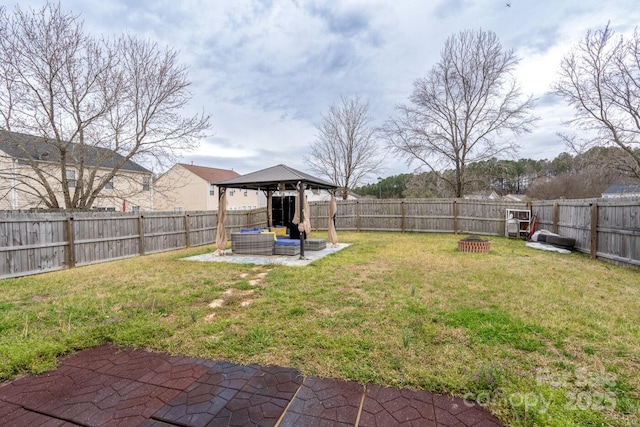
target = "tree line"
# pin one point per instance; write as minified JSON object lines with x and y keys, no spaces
{"x":565,"y":176}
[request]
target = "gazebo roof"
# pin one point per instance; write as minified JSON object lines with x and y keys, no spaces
{"x":271,"y":179}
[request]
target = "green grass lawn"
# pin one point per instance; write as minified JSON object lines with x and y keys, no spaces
{"x":540,"y":338}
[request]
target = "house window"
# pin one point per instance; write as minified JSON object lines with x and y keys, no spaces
{"x":246,"y":193}
{"x":231,"y":192}
{"x":212,"y":189}
{"x":71,"y":177}
{"x":135,"y":209}
{"x":178,"y":209}
{"x":109,"y":184}
{"x":146,"y":183}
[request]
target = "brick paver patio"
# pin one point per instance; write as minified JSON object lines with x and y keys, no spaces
{"x":109,"y":386}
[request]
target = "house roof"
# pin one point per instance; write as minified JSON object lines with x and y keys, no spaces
{"x":271,"y":178}
{"x":622,"y":189}
{"x":23,"y":147}
{"x":514,"y":197}
{"x":489,"y":194}
{"x":210,"y":174}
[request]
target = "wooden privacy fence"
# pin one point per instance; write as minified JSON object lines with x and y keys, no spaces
{"x":419,"y":215}
{"x":37,"y":242}
{"x":33,"y":243}
{"x":603,"y":228}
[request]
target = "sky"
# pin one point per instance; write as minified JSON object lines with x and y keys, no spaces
{"x":266,"y":71}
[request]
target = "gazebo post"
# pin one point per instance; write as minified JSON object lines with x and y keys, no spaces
{"x":269,"y":208}
{"x":302,"y":213}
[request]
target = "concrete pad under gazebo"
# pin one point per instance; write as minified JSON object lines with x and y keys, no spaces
{"x":279,"y":178}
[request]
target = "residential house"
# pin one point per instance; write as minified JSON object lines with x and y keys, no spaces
{"x":483,"y":195}
{"x":317,"y":195}
{"x":22,"y":156}
{"x":618,"y":191}
{"x":514,"y":197}
{"x":188,"y":187}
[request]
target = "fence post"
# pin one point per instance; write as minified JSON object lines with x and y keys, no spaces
{"x":594,"y":230}
{"x":556,"y":217}
{"x":187,"y":237}
{"x":403,"y":210}
{"x":71,"y":242}
{"x":357,"y":215}
{"x":141,"y":233}
{"x":455,"y":217}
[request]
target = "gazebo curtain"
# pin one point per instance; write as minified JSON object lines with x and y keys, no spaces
{"x":331,"y":226}
{"x":305,"y":224}
{"x":221,"y":234}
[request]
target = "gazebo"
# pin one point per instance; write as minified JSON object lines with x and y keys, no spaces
{"x":276,"y":178}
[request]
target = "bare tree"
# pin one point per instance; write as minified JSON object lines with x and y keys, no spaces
{"x":600,"y":79}
{"x":583,"y":176}
{"x":427,"y":185}
{"x":96,"y":105}
{"x":346,"y":149}
{"x":467,"y":109}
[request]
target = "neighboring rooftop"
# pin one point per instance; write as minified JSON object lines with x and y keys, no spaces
{"x":210,"y":174}
{"x":621,"y":190}
{"x":24,"y":147}
{"x":483,"y":195}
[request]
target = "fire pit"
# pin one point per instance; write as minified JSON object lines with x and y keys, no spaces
{"x":474,"y":244}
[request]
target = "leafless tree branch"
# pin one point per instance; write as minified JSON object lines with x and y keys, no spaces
{"x":346,"y":149}
{"x":600,"y":79}
{"x":97,"y":103}
{"x":467,"y":109}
